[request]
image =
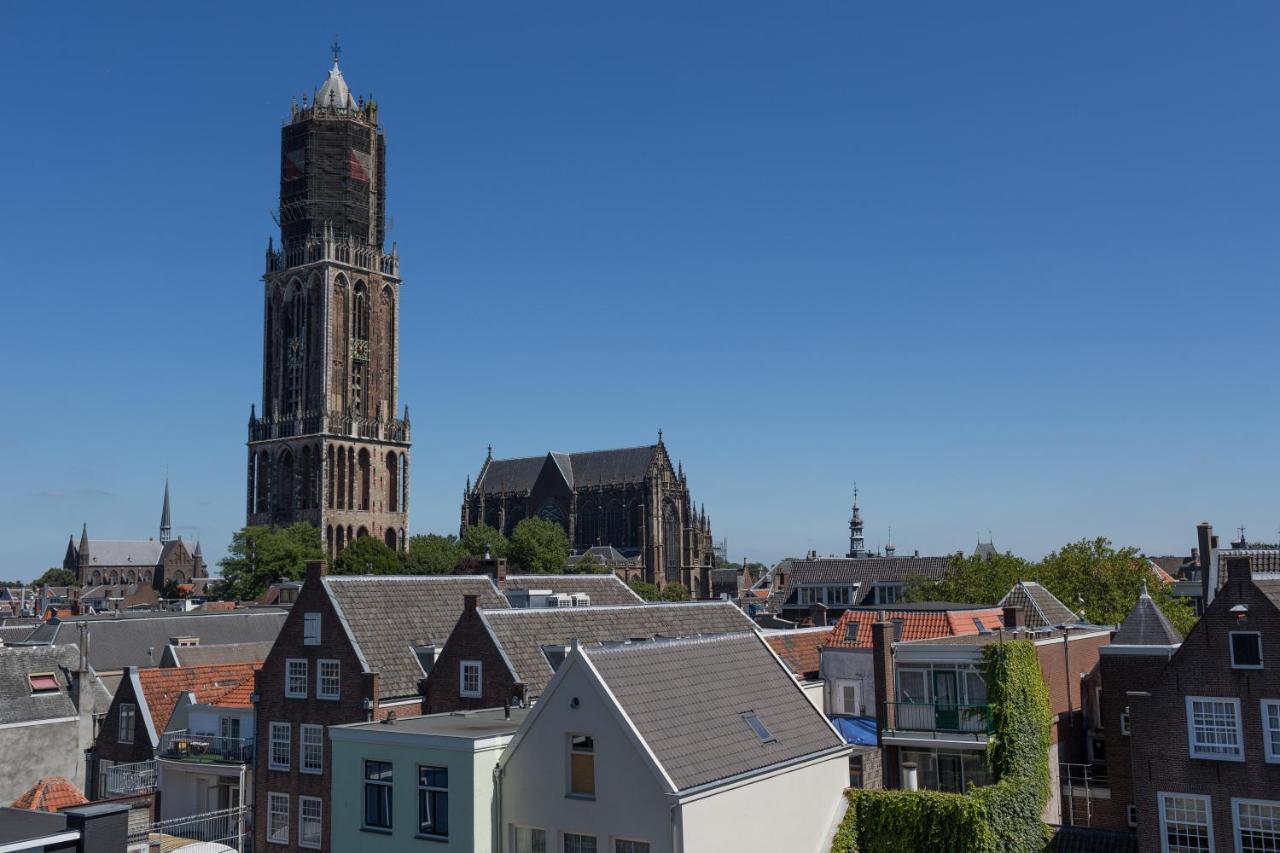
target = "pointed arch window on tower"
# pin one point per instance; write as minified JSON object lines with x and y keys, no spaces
{"x":365,"y":476}
{"x":359,"y":349}
{"x":295,"y":338}
{"x":393,"y":481}
{"x":286,"y":481}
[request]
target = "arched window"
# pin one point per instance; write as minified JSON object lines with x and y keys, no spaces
{"x":130,"y":577}
{"x":390,"y":538}
{"x":671,"y":541}
{"x":341,"y":485}
{"x":97,"y":577}
{"x":362,"y":532}
{"x":295,"y":345}
{"x":393,"y":484}
{"x":262,"y":481}
{"x":329,"y":484}
{"x":115,"y":577}
{"x":350,"y":535}
{"x":404,"y":545}
{"x":351,"y":480}
{"x":342,"y":541}
{"x":389,"y":348}
{"x":364,"y":479}
{"x":328,"y":541}
{"x":404,"y":487}
{"x":360,"y":316}
{"x":551,"y":511}
{"x":286,"y":481}
{"x":615,"y":524}
{"x":305,"y":503}
{"x":179,"y":577}
{"x":360,"y":353}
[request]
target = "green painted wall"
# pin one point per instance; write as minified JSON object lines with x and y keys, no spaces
{"x":470,"y":797}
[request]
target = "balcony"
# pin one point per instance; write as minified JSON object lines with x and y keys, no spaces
{"x":970,"y":722}
{"x":205,"y":749}
{"x":123,"y":780}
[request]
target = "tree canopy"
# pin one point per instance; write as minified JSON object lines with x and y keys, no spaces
{"x":478,"y":538}
{"x":538,"y":545}
{"x":367,"y":555}
{"x":1090,"y":574}
{"x":260,"y":555}
{"x":57,"y":577}
{"x":432,"y":554}
{"x":650,"y":592}
{"x":587,"y":564}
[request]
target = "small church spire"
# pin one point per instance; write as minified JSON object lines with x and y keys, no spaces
{"x":857,"y":543}
{"x":165,"y":527}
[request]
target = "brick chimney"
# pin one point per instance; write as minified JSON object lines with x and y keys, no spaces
{"x":316,"y":569}
{"x":469,"y":605}
{"x":818,"y":614}
{"x":886,"y":689}
{"x":1240,"y":569}
{"x":1013,"y":618}
{"x":1204,"y":558}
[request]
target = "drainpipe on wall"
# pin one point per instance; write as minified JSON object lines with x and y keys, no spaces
{"x":499,"y":834}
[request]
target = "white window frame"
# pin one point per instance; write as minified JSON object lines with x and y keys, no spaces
{"x":432,"y":789}
{"x":124,"y":734}
{"x":303,"y":802}
{"x":321,"y":692}
{"x":1231,"y":643}
{"x":564,"y":838}
{"x":272,"y":740}
{"x":1191,"y":729}
{"x":478,"y":692}
{"x":1125,"y":727}
{"x":1131,"y":815}
{"x":1273,"y":755}
{"x":632,"y":841}
{"x":1208,"y":815}
{"x":843,"y":684}
{"x":303,"y":764}
{"x":274,"y":800}
{"x":311,"y":629}
{"x":295,"y":676}
{"x":515,"y":837}
{"x":1236,"y":803}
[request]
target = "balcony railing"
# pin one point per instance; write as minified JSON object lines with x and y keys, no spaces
{"x":122,"y":780}
{"x":312,"y":422}
{"x":207,"y":749}
{"x":940,"y":717}
{"x":228,"y":828}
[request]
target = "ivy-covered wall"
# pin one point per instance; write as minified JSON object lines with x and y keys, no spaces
{"x":1000,"y":818}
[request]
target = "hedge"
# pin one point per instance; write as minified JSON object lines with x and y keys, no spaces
{"x":1000,"y":818}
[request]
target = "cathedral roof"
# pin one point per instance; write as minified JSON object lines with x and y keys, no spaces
{"x":591,"y":468}
{"x":125,"y":552}
{"x":334,"y":92}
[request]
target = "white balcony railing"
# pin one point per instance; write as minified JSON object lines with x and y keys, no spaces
{"x":122,"y":780}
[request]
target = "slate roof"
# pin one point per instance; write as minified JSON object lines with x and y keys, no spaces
{"x":850,"y":570}
{"x":1039,"y":606}
{"x":591,"y":468}
{"x":163,"y":687}
{"x":217,"y":653}
{"x":916,"y":625}
{"x":799,"y":649}
{"x":603,"y":588}
{"x":1266,"y":560}
{"x":49,"y":795}
{"x":1270,"y":587}
{"x":686,"y":699}
{"x":17,"y":705}
{"x":607,"y":555}
{"x":15,"y":633}
{"x":1146,"y":626}
{"x":521,"y":633}
{"x":125,"y":552}
{"x":387,"y":615}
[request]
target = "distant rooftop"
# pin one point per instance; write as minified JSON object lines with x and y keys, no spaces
{"x":476,"y":725}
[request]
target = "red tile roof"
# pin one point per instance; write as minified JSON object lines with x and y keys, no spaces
{"x":798,"y":650}
{"x":210,"y":683}
{"x":50,"y":794}
{"x":916,"y":624}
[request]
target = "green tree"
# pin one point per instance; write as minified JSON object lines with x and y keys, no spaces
{"x":368,"y":555}
{"x":432,"y":554}
{"x":588,"y":564}
{"x":479,"y":538}
{"x":538,"y":545}
{"x":647,"y":591}
{"x":674,"y":592}
{"x":57,"y":577}
{"x":171,"y":591}
{"x":259,"y":556}
{"x":971,"y":580}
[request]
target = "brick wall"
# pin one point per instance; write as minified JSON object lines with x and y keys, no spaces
{"x":1062,"y":664}
{"x":107,"y":746}
{"x":469,"y":640}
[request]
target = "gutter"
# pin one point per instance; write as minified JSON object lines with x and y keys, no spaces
{"x":697,"y":791}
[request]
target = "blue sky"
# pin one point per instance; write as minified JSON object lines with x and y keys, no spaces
{"x":1009,"y":266}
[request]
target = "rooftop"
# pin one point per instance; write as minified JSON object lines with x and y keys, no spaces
{"x":491,"y":722}
{"x":50,"y":794}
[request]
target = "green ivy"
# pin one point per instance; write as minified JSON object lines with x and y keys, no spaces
{"x":1000,"y":818}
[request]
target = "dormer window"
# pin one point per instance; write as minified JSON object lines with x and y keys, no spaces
{"x":43,"y":684}
{"x":1246,"y":650}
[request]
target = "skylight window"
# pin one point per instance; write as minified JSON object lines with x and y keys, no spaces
{"x":43,"y":683}
{"x":851,"y":632}
{"x":757,"y":725}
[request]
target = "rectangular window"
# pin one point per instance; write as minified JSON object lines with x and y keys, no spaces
{"x":377,"y":794}
{"x":295,"y":678}
{"x":278,"y":757}
{"x":1124,"y":723}
{"x":757,"y":725}
{"x":574,"y":843}
{"x":528,"y":839}
{"x":1185,"y":823}
{"x":582,"y":766}
{"x":1257,"y":825}
{"x":469,"y":679}
{"x":311,"y":629}
{"x":913,"y":685}
{"x":433,"y":801}
{"x":624,"y":845}
{"x":848,"y":696}
{"x":327,"y":672}
{"x":309,"y":821}
{"x":1213,"y":728}
{"x":128,"y":720}
{"x":312,"y":758}
{"x":1131,"y":815}
{"x":1271,"y":729}
{"x":1246,"y":650}
{"x":851,"y":632}
{"x":43,"y":684}
{"x":278,"y":818}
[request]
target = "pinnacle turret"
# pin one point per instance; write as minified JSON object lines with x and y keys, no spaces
{"x":165,"y":526}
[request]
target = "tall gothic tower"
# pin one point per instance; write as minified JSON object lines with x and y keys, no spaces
{"x":328,"y":448}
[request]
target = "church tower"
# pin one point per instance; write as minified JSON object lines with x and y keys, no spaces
{"x":328,"y":448}
{"x":857,"y":543}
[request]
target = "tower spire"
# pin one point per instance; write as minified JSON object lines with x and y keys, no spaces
{"x":857,"y":543}
{"x":165,"y":527}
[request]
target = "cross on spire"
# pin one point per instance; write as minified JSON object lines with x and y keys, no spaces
{"x":336,"y":48}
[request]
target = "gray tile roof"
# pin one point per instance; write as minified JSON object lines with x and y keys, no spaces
{"x":521,"y":634}
{"x":1146,"y":626}
{"x":15,"y":633}
{"x":1040,"y":608}
{"x":122,"y":552}
{"x":591,"y":468}
{"x":216,"y":653}
{"x":850,"y":570}
{"x":1260,"y":559}
{"x":1270,"y":587}
{"x":388,"y":615}
{"x":687,"y":698}
{"x":603,"y":588}
{"x":17,"y":705}
{"x":139,"y":639}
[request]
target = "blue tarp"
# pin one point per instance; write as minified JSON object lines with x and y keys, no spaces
{"x":857,"y":730}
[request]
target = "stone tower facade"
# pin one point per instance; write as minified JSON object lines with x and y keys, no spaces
{"x":328,"y":448}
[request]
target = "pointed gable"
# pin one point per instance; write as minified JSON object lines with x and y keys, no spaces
{"x":1146,"y":626}
{"x":1041,"y":608}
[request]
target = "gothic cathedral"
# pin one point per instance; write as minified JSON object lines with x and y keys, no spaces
{"x":328,"y":448}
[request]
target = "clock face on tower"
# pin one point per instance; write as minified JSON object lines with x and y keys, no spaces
{"x":293,"y":351}
{"x":360,"y":350}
